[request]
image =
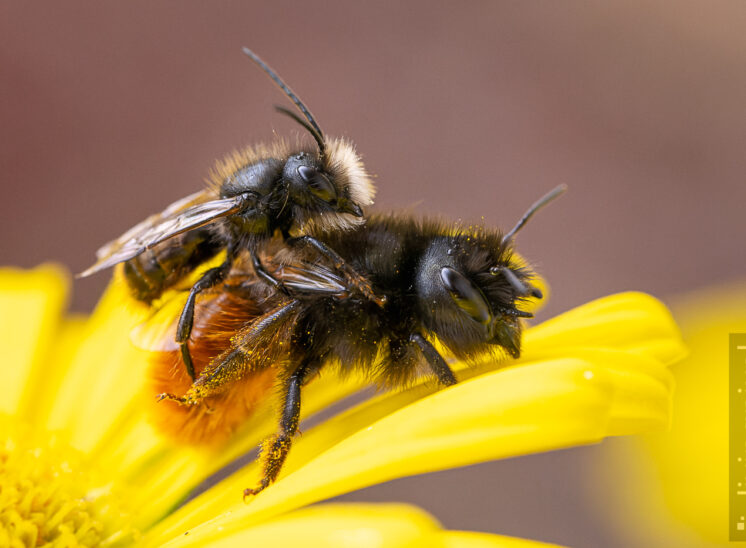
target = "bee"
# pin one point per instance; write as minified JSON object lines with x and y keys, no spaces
{"x":252,"y":194}
{"x":450,"y":288}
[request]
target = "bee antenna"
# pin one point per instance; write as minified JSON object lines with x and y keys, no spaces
{"x":317,"y":133}
{"x":287,"y":112}
{"x":544,"y":200}
{"x":520,"y":288}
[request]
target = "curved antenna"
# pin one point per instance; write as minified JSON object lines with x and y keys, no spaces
{"x":301,"y":121}
{"x":518,"y":286}
{"x":289,"y":92}
{"x":544,"y":200}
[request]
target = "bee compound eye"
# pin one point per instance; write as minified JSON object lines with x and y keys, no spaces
{"x":466,"y":295}
{"x":307,"y":173}
{"x":319,"y":185}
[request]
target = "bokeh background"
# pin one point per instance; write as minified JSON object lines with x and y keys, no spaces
{"x":109,"y":111}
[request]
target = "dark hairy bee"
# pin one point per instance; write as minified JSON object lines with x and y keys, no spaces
{"x":253,"y":194}
{"x":450,"y":288}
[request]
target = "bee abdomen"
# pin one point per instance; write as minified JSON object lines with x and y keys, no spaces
{"x":155,"y":270}
{"x":145,"y":277}
{"x":217,"y":321}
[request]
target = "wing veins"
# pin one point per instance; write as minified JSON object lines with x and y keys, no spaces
{"x":179,"y":217}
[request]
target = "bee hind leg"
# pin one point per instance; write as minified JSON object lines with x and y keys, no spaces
{"x":276,"y":448}
{"x":210,"y":278}
{"x":225,"y":369}
{"x":184,"y":400}
{"x":233,"y":363}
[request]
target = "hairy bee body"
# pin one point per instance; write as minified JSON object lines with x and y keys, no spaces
{"x":403,"y":258}
{"x":306,"y":283}
{"x":149,"y":274}
{"x":457,"y":289}
{"x":220,"y":314}
{"x":252,"y":195}
{"x":274,"y":199}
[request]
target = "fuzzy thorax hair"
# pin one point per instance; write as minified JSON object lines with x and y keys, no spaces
{"x":344,"y":163}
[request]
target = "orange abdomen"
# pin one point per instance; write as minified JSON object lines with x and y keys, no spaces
{"x":218,"y":316}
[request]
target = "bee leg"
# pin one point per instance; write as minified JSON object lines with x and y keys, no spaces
{"x":361,"y":283}
{"x":229,"y":366}
{"x":436,"y":361}
{"x":186,"y":320}
{"x":213,"y":380}
{"x":267,"y":277}
{"x":183,"y":400}
{"x":275,"y":449}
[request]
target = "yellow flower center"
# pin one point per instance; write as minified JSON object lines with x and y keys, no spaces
{"x":48,"y":499}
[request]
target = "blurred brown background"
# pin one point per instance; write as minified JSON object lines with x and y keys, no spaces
{"x":111,"y":111}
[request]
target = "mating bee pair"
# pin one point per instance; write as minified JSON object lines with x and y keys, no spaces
{"x":307,"y":281}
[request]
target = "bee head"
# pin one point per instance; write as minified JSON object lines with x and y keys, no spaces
{"x":333,"y":185}
{"x":469,"y":289}
{"x":470,"y":286}
{"x":328,"y":188}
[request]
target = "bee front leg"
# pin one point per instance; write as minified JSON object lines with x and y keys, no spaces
{"x":437,"y":364}
{"x":275,"y":449}
{"x":210,"y":278}
{"x":266,"y":276}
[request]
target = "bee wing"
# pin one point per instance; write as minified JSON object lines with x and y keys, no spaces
{"x":186,"y":214}
{"x":215,"y":312}
{"x":157,"y":332}
{"x":170,"y":211}
{"x":312,"y":278}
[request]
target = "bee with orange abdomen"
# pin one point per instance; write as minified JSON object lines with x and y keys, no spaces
{"x":445,"y":287}
{"x":253,"y":194}
{"x":220,"y":313}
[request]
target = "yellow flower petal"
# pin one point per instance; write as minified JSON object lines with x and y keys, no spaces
{"x":598,"y":371}
{"x":547,"y":404}
{"x":626,"y":321}
{"x":98,"y":403}
{"x":337,"y":526}
{"x":170,"y":472}
{"x":671,"y":489}
{"x":104,"y":375}
{"x":31,"y":305}
{"x":43,"y":400}
{"x":358,"y":526}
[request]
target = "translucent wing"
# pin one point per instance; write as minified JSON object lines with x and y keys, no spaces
{"x":191,"y":212}
{"x":158,"y":331}
{"x":312,"y":278}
